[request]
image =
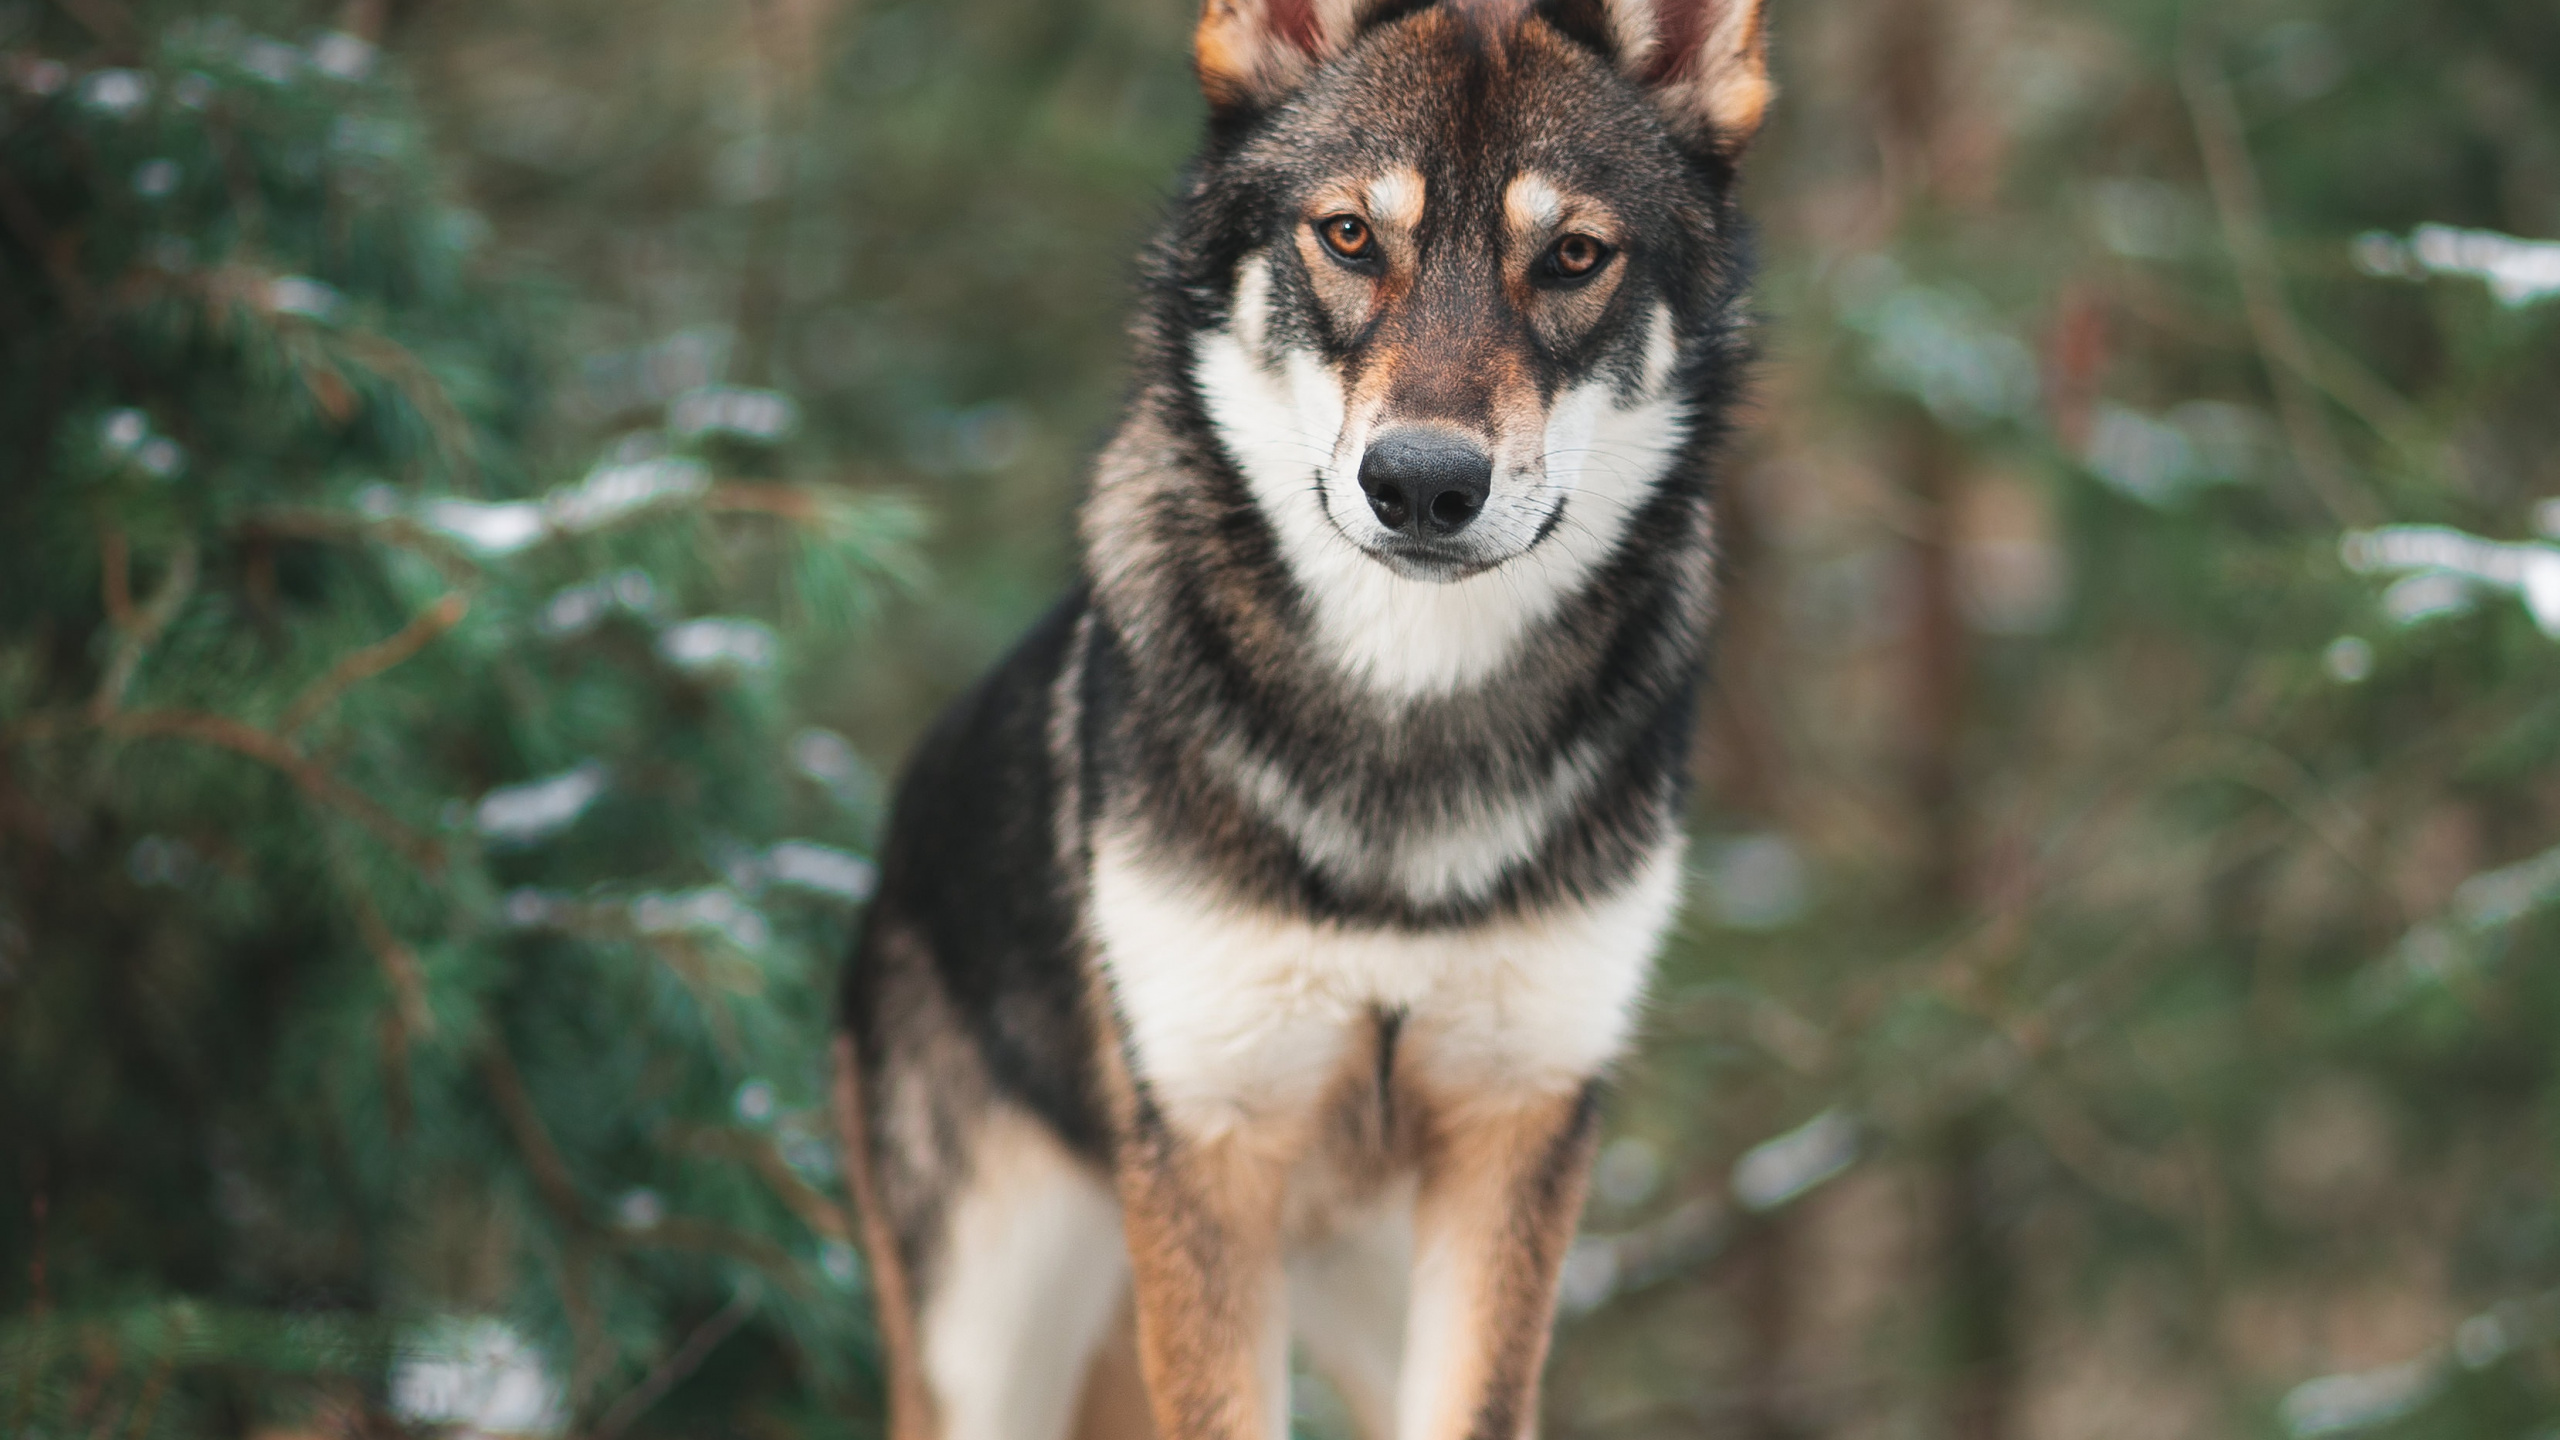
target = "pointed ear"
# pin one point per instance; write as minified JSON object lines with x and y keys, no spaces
{"x":1253,"y":52}
{"x":1706,"y":61}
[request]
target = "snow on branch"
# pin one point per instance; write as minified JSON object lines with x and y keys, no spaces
{"x":2518,"y":272}
{"x":2453,"y":562}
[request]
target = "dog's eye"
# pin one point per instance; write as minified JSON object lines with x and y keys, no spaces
{"x":1575,"y":256}
{"x":1347,"y":236}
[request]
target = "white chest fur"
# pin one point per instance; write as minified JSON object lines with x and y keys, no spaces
{"x":1238,"y":1015}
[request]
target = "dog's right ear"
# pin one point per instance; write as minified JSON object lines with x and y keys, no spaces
{"x":1251,"y":53}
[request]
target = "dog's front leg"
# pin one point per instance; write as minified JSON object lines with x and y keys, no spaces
{"x":1502,"y":1186}
{"x":1203,"y":1223}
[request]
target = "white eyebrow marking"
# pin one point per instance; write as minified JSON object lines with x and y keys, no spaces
{"x":1531,"y":203}
{"x":1396,"y":197}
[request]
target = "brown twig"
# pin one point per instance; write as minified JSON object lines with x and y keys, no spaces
{"x":693,"y":968}
{"x":338,"y":527}
{"x":399,"y":966}
{"x":688,"y":1357}
{"x":223,"y":732}
{"x":135,"y":631}
{"x":2233,"y":182}
{"x":108,"y":20}
{"x":2150,"y":1183}
{"x":760,"y":1154}
{"x":706,"y":1238}
{"x":397,"y":1103}
{"x":363,"y":19}
{"x":446,"y":424}
{"x":148,"y":1405}
{"x":115,"y":576}
{"x":105,"y":1359}
{"x":408,"y":1016}
{"x":361,"y":665}
{"x":794,"y":503}
{"x":2334,"y":371}
{"x":277,"y":752}
{"x":532,"y":1138}
{"x":559,"y":1191}
{"x":54,"y":252}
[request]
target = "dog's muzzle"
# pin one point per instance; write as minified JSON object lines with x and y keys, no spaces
{"x":1425,"y":484}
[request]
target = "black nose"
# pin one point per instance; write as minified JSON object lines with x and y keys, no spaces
{"x":1425,"y":482}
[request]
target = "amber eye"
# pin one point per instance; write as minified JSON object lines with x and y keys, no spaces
{"x":1575,"y":256}
{"x":1347,"y":236}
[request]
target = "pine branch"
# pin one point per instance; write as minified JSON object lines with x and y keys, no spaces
{"x":315,"y":782}
{"x":338,"y":527}
{"x":688,"y":1357}
{"x":396,"y":1098}
{"x":109,"y":21}
{"x":136,"y":630}
{"x":2233,"y":181}
{"x":148,"y":1405}
{"x":399,"y":966}
{"x":706,"y":1238}
{"x":105,"y":1360}
{"x":361,"y":665}
{"x":760,"y":1154}
{"x":559,"y":1191}
{"x":445,"y":422}
{"x":796,"y":503}
{"x":532,"y":1138}
{"x":222,"y":732}
{"x":115,"y":577}
{"x":54,"y":252}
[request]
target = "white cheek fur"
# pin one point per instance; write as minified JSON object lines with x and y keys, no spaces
{"x":1283,"y":419}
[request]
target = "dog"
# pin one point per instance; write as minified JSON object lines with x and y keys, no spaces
{"x":1252,"y":944}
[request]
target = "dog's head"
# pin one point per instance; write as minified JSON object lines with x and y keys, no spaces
{"x":1458,"y":274}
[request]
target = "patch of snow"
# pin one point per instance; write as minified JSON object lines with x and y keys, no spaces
{"x":720,"y":642}
{"x":809,"y":865}
{"x":1778,"y":1170}
{"x":481,"y":1375}
{"x":522,"y":814}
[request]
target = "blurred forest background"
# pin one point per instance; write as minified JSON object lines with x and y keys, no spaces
{"x":490,"y":487}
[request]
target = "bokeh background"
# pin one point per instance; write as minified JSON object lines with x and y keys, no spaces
{"x":489,"y":488}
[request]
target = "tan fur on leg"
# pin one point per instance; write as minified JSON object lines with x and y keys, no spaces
{"x":1502,"y":1188}
{"x":1115,"y":1394}
{"x":1203,"y":1223}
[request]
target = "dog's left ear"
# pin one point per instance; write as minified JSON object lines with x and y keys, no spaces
{"x":1706,"y":62}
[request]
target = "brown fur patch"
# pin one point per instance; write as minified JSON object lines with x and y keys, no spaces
{"x":1203,"y":1223}
{"x":1502,"y":1189}
{"x":1114,"y":1406}
{"x":911,"y":1414}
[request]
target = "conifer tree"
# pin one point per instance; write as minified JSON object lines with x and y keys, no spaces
{"x":418,"y":896}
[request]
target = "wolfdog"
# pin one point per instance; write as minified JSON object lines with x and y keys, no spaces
{"x":1250,"y":946}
